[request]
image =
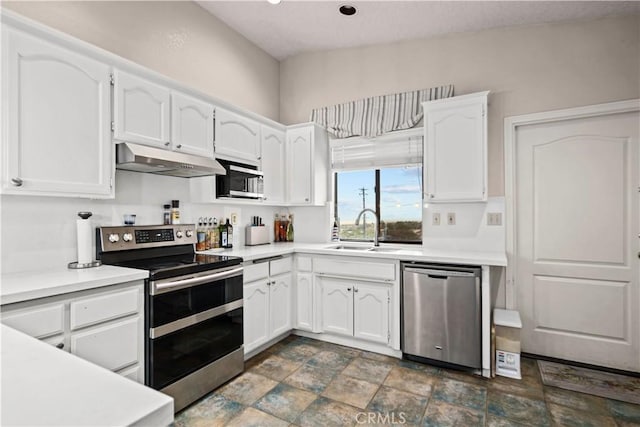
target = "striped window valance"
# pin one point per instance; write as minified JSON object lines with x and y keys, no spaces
{"x":378,"y":114}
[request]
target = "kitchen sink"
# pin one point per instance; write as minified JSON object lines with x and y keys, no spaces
{"x":362,"y":248}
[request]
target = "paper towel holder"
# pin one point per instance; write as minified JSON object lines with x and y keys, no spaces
{"x":77,"y":265}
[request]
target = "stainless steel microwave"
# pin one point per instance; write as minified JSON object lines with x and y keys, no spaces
{"x":241,"y":181}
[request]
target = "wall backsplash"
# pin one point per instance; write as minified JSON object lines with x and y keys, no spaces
{"x":39,"y":233}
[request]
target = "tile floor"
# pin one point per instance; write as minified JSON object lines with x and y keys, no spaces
{"x":304,"y":382}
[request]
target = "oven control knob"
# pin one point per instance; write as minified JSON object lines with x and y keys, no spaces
{"x":113,"y":238}
{"x":179,"y":234}
{"x":127,"y":237}
{"x":189,"y":233}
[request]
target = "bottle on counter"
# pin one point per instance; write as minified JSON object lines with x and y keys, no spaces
{"x":229,"y":228}
{"x":335,"y":236}
{"x":215,"y":233}
{"x":290,"y":229}
{"x":175,"y":212}
{"x":283,"y":228}
{"x":167,"y":215}
{"x":223,"y":235}
{"x":276,"y":228}
{"x":201,"y":234}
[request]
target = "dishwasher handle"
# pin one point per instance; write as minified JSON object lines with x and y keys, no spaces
{"x":439,"y":274}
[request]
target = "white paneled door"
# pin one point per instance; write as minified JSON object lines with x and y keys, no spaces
{"x":576,"y":238}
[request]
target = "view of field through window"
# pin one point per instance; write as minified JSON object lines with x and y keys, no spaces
{"x":400,"y":204}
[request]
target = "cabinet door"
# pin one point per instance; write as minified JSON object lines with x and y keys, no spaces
{"x":304,"y":301}
{"x":141,"y":110}
{"x":56,"y":110}
{"x":299,"y":149}
{"x":273,"y":163}
{"x":236,"y":136}
{"x":40,"y":321}
{"x":337,"y":306}
{"x":456,"y":149}
{"x":371,"y":312}
{"x":191,"y":125}
{"x":280,"y":304}
{"x":112,"y":346}
{"x":256,"y":314}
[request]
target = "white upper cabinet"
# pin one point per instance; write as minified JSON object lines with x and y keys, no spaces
{"x":191,"y":125}
{"x":141,"y":110}
{"x":57,"y":136}
{"x":273,"y":163}
{"x":236,"y":137}
{"x":456,"y":148}
{"x":307,"y":158}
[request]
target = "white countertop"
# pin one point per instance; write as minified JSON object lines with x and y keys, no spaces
{"x":44,"y":386}
{"x":404,"y":253}
{"x":23,"y":286}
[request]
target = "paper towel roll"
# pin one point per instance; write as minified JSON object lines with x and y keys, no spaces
{"x":84,"y":241}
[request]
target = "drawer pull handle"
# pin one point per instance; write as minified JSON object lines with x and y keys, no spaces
{"x":17,"y":182}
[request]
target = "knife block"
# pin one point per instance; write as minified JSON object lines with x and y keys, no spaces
{"x":256,"y":235}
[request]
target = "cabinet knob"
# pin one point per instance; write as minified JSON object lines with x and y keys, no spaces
{"x":348,"y":289}
{"x":17,"y":182}
{"x":306,"y":199}
{"x":60,"y":346}
{"x":355,"y":289}
{"x":273,"y":283}
{"x":179,"y":146}
{"x":166,"y":144}
{"x":268,"y":283}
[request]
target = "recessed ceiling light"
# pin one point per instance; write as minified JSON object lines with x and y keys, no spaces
{"x":347,"y":10}
{"x":274,"y":1}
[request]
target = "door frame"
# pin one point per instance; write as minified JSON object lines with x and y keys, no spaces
{"x":511,"y":125}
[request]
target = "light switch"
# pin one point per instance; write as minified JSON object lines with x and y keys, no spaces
{"x":494,"y":218}
{"x":436,"y":218}
{"x":451,"y":218}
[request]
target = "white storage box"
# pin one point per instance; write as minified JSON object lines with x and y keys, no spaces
{"x":507,"y":326}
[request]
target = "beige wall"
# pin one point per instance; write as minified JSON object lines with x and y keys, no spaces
{"x":527,"y":69}
{"x":176,"y":38}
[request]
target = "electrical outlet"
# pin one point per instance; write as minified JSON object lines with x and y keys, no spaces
{"x":451,"y":218}
{"x":234,"y":219}
{"x":436,"y":218}
{"x":494,"y":218}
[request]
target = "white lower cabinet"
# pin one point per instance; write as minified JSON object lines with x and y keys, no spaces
{"x":355,"y":309}
{"x":267,"y":301}
{"x":103,"y":326}
{"x":113,"y":346}
{"x":304,"y":301}
{"x":371,"y":312}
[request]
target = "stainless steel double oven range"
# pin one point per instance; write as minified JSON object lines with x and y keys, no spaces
{"x":193,"y":307}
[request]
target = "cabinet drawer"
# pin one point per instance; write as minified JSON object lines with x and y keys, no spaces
{"x":89,"y":311}
{"x":37,"y":322}
{"x":114,"y":346}
{"x":280,"y":266}
{"x":133,"y":373}
{"x":304,"y":263}
{"x":363,"y":269}
{"x":254,"y":272}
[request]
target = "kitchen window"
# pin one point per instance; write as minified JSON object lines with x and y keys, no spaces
{"x":394,"y":192}
{"x":383,"y":174}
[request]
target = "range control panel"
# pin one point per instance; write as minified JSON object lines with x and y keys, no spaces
{"x":109,"y":239}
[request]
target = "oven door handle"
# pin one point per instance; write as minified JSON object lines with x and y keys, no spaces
{"x":194,"y":319}
{"x":162,"y":287}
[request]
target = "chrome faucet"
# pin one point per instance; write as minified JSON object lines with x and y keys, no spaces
{"x":377,"y":224}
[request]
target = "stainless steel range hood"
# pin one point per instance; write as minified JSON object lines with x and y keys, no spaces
{"x":140,"y":158}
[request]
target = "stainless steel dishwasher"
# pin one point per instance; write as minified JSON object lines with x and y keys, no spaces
{"x":441,"y":312}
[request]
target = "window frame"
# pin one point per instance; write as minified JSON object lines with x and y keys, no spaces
{"x":377,"y":209}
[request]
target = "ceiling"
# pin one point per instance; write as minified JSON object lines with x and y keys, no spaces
{"x":296,"y":26}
